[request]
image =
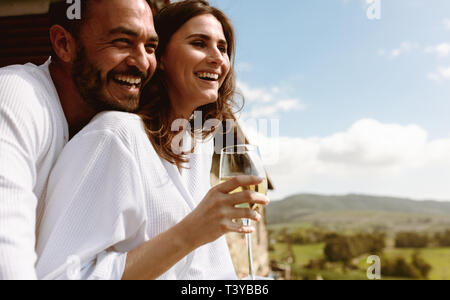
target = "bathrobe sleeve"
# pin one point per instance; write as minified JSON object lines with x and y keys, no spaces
{"x":95,"y":209}
{"x":21,"y":138}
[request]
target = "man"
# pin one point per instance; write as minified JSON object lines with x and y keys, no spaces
{"x":100,"y":62}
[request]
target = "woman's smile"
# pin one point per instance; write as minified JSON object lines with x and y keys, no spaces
{"x":209,"y":76}
{"x":208,"y":80}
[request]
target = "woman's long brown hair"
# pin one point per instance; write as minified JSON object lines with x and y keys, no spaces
{"x":155,"y":104}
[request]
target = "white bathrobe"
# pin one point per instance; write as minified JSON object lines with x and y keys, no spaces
{"x":110,"y":192}
{"x":33,"y":132}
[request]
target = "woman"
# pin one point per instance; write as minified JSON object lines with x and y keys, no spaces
{"x":123,"y":201}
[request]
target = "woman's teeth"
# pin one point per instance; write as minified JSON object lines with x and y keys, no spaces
{"x":208,"y":76}
{"x":128,"y":80}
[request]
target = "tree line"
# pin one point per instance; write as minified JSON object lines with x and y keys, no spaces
{"x":422,"y":240}
{"x":407,"y":239}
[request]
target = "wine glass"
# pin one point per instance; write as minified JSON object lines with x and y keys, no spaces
{"x":244,"y":160}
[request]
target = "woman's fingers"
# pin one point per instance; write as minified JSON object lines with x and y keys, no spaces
{"x":239,"y":181}
{"x":239,"y":228}
{"x":250,"y":197}
{"x":220,"y":204}
{"x":245,"y":213}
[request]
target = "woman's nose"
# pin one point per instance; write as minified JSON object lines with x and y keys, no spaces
{"x":215,"y":56}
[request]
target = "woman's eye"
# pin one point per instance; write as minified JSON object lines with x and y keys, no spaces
{"x":222,"y":49}
{"x":199,"y":44}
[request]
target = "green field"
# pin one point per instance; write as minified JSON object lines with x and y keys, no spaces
{"x":304,"y":219}
{"x":438,"y":258}
{"x":303,"y":253}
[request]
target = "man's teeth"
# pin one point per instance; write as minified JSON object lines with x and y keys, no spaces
{"x":129,"y":80}
{"x":210,"y":76}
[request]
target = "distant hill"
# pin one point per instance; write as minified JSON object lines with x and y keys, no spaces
{"x":319,"y":208}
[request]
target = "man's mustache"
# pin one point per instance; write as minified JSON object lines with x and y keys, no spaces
{"x":134,"y":72}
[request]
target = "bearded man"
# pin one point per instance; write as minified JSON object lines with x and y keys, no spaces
{"x":99,"y":62}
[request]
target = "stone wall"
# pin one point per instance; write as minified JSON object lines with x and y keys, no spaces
{"x":238,"y":248}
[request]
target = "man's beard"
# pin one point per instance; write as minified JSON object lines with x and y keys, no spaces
{"x":88,"y":80}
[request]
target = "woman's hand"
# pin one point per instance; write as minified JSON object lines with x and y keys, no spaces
{"x":214,"y":216}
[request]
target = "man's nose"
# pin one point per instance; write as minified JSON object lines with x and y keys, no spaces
{"x":140,"y":58}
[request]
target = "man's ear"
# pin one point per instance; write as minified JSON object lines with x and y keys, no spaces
{"x":63,"y":43}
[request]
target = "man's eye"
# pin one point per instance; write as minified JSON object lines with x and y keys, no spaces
{"x":151,"y":48}
{"x":122,"y":42}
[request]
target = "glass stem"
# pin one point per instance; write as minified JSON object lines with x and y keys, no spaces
{"x":248,"y":236}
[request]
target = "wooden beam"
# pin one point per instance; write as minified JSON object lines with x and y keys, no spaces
{"x":23,"y":7}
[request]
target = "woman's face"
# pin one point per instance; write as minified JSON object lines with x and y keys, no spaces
{"x":196,"y":64}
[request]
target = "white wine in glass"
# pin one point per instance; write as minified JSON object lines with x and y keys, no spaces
{"x":244,"y":160}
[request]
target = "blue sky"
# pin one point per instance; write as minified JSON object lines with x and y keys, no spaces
{"x":334,"y":79}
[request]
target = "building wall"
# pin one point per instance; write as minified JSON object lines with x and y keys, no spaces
{"x":24,"y":39}
{"x":24,"y":28}
{"x":238,"y":249}
{"x":23,"y":7}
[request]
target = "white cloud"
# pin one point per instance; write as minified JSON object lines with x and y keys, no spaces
{"x":369,"y":143}
{"x":441,"y":50}
{"x":434,"y":77}
{"x":273,"y":109}
{"x":242,"y":67}
{"x":289,"y":104}
{"x":446,"y":23}
{"x":442,"y":73}
{"x":254,"y":94}
{"x":267,"y":102}
{"x":404,"y":48}
{"x":370,"y":157}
